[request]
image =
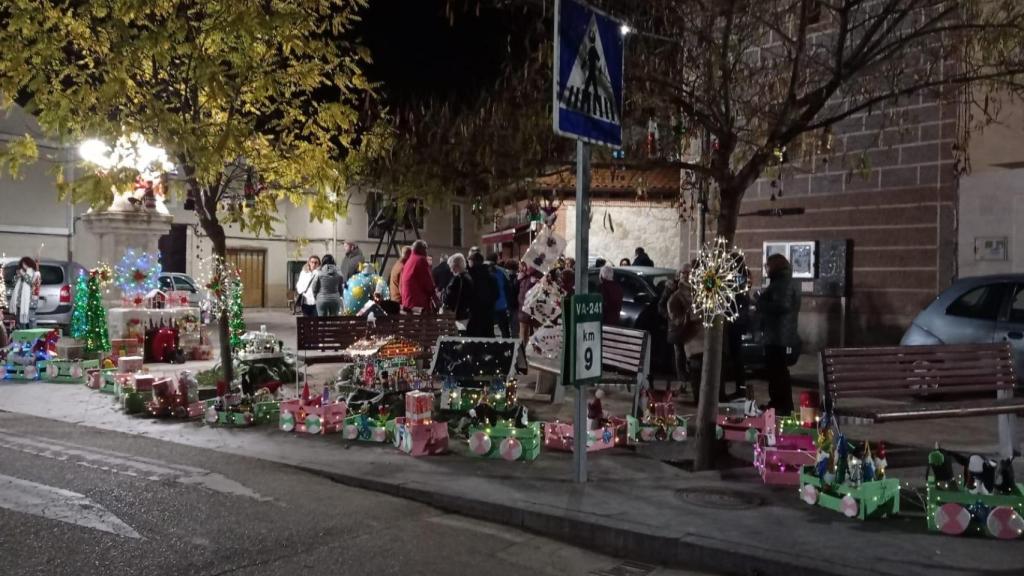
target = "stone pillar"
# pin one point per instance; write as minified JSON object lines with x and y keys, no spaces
{"x":116,"y":231}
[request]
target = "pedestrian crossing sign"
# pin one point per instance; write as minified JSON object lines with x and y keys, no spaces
{"x":588,"y":74}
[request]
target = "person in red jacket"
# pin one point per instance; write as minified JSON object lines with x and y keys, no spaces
{"x":417,"y":284}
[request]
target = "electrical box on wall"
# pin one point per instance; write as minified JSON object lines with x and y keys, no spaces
{"x":833,"y":268}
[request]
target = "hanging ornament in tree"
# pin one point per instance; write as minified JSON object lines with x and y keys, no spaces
{"x":137,"y":273}
{"x":716,"y":281}
{"x":224,"y":291}
{"x":3,"y":293}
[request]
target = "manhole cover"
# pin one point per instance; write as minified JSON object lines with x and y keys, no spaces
{"x":718,"y":498}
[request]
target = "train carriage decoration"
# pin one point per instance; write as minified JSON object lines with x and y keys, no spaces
{"x":984,"y":499}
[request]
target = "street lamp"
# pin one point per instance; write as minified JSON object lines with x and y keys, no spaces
{"x":131,"y":151}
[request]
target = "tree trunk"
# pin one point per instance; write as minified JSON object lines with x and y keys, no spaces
{"x":215,"y":231}
{"x":711,"y":372}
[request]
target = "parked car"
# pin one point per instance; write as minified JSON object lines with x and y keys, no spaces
{"x":975,"y":310}
{"x":56,"y":291}
{"x":183,"y":283}
{"x":641,"y":290}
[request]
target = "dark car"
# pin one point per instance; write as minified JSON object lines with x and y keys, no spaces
{"x":642,"y":288}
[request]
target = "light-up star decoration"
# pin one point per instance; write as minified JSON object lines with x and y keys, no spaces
{"x":137,"y":273}
{"x":716,"y":281}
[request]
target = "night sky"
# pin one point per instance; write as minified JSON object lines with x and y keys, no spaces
{"x":419,"y":55}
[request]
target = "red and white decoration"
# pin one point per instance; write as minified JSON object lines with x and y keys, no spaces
{"x":952,"y":519}
{"x":1004,"y":523}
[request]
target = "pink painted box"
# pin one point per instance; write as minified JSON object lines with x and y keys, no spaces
{"x":144,"y":382}
{"x":421,"y":439}
{"x":311,"y":419}
{"x":559,"y":436}
{"x":129,"y":363}
{"x":778,"y":457}
{"x":736,"y":426}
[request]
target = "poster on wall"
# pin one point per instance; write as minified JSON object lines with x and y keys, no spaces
{"x":801,"y":256}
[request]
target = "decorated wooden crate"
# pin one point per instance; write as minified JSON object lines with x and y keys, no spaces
{"x":616,"y":432}
{"x":504,"y":440}
{"x":110,"y":382}
{"x":121,"y":347}
{"x":780,"y":463}
{"x":13,"y":371}
{"x":740,"y":425}
{"x":129,"y":363}
{"x":664,"y":429}
{"x":499,"y":394}
{"x":968,"y":505}
{"x":95,"y":377}
{"x":367,"y":428}
{"x":176,"y":398}
{"x":70,"y":349}
{"x":310,"y":418}
{"x":475,"y":371}
{"x":421,"y":439}
{"x":133,"y":401}
{"x":68,"y":371}
{"x":241,"y":413}
{"x":874,"y":499}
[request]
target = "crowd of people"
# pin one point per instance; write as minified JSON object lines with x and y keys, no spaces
{"x":486,"y":296}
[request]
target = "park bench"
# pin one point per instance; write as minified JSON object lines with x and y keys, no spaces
{"x":848,"y":376}
{"x":625,"y":361}
{"x":329,"y":334}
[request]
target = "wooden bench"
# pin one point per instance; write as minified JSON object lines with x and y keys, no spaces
{"x":625,"y":361}
{"x":336,"y":333}
{"x":927,"y":373}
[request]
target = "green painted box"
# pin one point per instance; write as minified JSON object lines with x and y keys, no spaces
{"x":133,"y":402}
{"x":875,"y":499}
{"x":503,"y":440}
{"x":367,"y":428}
{"x":261,"y":413}
{"x":998,"y":515}
{"x":68,"y":371}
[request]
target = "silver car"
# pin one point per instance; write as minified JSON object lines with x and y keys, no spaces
{"x":56,"y":291}
{"x":974,"y":310}
{"x":182,"y":283}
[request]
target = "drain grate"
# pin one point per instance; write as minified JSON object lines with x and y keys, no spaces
{"x":718,"y":498}
{"x":627,"y":568}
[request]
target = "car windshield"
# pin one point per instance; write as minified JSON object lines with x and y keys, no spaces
{"x":657,"y":280}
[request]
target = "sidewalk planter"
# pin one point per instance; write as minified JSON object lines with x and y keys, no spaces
{"x":875,"y":499}
{"x":310,"y":419}
{"x":958,"y":512}
{"x":780,"y":464}
{"x":421,"y":439}
{"x":68,"y":371}
{"x":366,"y":428}
{"x":617,"y":432}
{"x":503,"y":440}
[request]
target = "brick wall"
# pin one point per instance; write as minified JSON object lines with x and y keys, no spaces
{"x":898,"y":210}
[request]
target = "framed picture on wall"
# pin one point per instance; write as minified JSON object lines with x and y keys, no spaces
{"x":801,"y":256}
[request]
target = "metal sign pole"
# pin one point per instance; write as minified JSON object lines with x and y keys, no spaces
{"x":579,"y":425}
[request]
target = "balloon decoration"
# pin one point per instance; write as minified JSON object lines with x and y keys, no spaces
{"x":361,"y":287}
{"x":716,"y":280}
{"x":137,"y":273}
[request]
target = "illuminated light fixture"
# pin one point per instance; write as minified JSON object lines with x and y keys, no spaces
{"x":625,"y":29}
{"x":130,"y":151}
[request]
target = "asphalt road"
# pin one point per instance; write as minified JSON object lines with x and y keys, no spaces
{"x":82,"y":501}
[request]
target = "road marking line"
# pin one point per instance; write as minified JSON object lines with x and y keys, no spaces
{"x":61,"y":505}
{"x":125,"y":464}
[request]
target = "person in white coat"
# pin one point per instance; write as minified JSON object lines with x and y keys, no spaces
{"x":304,"y":286}
{"x":25,"y":294}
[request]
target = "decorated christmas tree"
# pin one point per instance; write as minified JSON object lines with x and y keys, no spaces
{"x":89,"y":318}
{"x":235,"y":313}
{"x":79,"y":314}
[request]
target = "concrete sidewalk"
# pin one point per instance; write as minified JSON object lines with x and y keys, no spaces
{"x":633,"y":507}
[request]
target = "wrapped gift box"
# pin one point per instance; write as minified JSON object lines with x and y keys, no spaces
{"x":311,"y":419}
{"x":94,"y":377}
{"x":125,"y":347}
{"x":505,"y":441}
{"x":143,"y":382}
{"x":133,"y":402}
{"x":419,"y":406}
{"x":177,"y":299}
{"x":202,"y":352}
{"x":421,"y":439}
{"x":68,"y":371}
{"x":129,"y":363}
{"x":366,"y":428}
{"x":559,"y":435}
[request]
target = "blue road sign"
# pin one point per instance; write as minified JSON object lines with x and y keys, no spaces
{"x":588,"y":74}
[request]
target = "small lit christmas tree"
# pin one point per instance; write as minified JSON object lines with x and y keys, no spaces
{"x":79,"y":314}
{"x":89,"y":317}
{"x":235,"y":313}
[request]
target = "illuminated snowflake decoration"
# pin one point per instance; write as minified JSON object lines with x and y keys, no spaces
{"x":716,"y":281}
{"x":219,"y":279}
{"x":137,"y":273}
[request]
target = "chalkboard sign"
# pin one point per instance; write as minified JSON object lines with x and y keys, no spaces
{"x":474,"y":359}
{"x":833,"y":265}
